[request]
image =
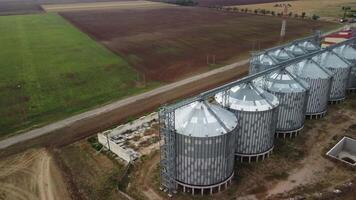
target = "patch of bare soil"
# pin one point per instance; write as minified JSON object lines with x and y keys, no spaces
{"x":90,"y":174}
{"x":170,"y":43}
{"x":31,"y":175}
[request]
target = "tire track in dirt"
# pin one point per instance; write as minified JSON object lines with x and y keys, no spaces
{"x":44,"y":179}
{"x":145,"y":178}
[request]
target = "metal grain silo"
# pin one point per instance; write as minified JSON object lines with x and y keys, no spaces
{"x":341,"y":73}
{"x":349,"y":53}
{"x":292,"y":94}
{"x":308,"y":46}
{"x":260,"y":62}
{"x":295,"y":50}
{"x":319,"y":80}
{"x":280,"y":55}
{"x":256,"y":111}
{"x":205,"y":145}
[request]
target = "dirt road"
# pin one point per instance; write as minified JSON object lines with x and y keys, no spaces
{"x":31,"y":176}
{"x":145,"y":178}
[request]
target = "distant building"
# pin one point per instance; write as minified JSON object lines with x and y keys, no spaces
{"x":337,"y":37}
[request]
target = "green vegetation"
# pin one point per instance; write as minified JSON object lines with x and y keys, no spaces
{"x":50,"y":70}
{"x":93,"y":141}
{"x":185,"y":2}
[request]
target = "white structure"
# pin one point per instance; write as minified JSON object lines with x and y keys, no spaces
{"x":345,"y":151}
{"x":115,"y":139}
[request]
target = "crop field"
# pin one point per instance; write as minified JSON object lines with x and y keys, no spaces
{"x":171,"y":43}
{"x":326,"y":9}
{"x":231,"y":2}
{"x":104,"y":5}
{"x":50,"y":70}
{"x":10,"y":7}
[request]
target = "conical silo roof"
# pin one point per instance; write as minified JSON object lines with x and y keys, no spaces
{"x":346,"y":51}
{"x":280,"y":54}
{"x":309,"y":69}
{"x":329,"y":59}
{"x":264,"y":60}
{"x":295,"y":50}
{"x":309,"y":46}
{"x":203,"y":119}
{"x":248,"y":97}
{"x":284,"y":81}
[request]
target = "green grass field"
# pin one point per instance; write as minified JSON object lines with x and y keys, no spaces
{"x":50,"y":70}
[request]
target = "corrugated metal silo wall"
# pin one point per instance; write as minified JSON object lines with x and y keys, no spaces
{"x":205,"y":161}
{"x":318,"y":94}
{"x":352,"y":78}
{"x":291,"y":111}
{"x":339,"y":83}
{"x":256,"y":133}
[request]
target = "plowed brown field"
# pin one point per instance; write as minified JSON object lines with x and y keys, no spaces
{"x":170,"y":43}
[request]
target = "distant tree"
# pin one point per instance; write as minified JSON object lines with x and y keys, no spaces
{"x":273,"y":13}
{"x":296,"y":15}
{"x":255,"y":11}
{"x":346,"y":9}
{"x":303,"y":15}
{"x":315,"y":17}
{"x":236,"y":9}
{"x":290,"y":14}
{"x":186,"y":2}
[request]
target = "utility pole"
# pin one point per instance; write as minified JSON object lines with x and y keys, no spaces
{"x":284,"y":21}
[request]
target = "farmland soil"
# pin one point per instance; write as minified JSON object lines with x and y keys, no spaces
{"x":172,"y":43}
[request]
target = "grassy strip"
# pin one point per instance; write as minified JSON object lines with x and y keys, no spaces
{"x":50,"y":70}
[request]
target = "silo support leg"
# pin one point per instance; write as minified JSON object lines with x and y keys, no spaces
{"x":202,"y":192}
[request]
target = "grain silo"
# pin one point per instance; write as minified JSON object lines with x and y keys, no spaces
{"x":260,"y":62}
{"x":295,"y":50}
{"x":308,"y":46}
{"x":280,"y":54}
{"x":341,"y":72}
{"x":205,"y":145}
{"x":256,"y":111}
{"x":348,"y":52}
{"x":292,"y":94}
{"x":319,"y":80}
